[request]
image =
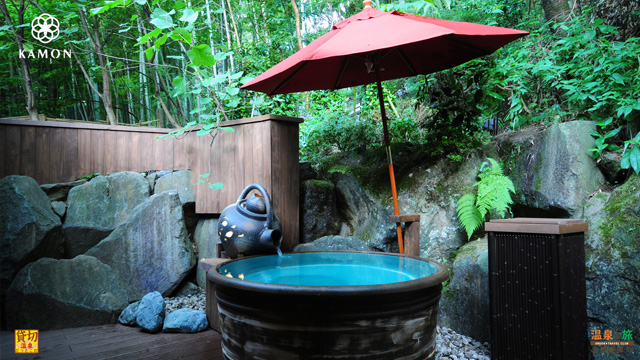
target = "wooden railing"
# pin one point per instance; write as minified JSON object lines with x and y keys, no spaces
{"x":261,"y":150}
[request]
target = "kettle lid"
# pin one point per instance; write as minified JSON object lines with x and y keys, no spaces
{"x":256,"y":204}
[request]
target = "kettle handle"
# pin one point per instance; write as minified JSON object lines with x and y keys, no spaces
{"x":267,"y":200}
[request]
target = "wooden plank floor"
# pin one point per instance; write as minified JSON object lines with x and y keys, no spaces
{"x":117,"y":341}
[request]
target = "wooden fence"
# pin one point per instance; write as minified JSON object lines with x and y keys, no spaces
{"x":261,"y":150}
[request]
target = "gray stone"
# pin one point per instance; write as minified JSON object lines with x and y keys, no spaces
{"x":613,"y":260}
{"x":96,"y":208}
{"x":188,"y":289}
{"x":54,"y":294}
{"x":206,"y":238}
{"x":59,"y":207}
{"x":365,"y":217}
{"x":186,"y":321}
{"x":464,"y":305}
{"x":333,"y":243}
{"x":151,"y":250}
{"x":59,"y":192}
{"x":128,"y":315}
{"x":307,"y":172}
{"x":151,"y":311}
{"x":552,"y":169}
{"x":179,"y":181}
{"x":319,"y":215}
{"x":29,"y":229}
{"x":151,"y":179}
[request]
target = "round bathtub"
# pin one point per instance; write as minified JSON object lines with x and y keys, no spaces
{"x":328,"y":305}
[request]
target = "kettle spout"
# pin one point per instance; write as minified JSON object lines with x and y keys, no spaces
{"x":271,"y":238}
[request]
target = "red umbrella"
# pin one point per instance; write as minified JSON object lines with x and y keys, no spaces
{"x":372,"y":46}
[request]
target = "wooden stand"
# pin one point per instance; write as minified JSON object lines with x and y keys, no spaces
{"x":211,"y":306}
{"x":411,"y":232}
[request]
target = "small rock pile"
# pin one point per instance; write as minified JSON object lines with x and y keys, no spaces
{"x":151,"y":315}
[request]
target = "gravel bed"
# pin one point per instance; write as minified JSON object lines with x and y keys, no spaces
{"x":194,"y":301}
{"x":454,"y":346}
{"x":450,"y":345}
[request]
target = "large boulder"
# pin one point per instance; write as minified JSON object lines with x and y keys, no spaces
{"x":612,"y":246}
{"x":433,"y":193}
{"x":333,"y":243}
{"x":96,"y":208}
{"x":206,"y":238}
{"x":306,"y":171}
{"x":365,"y":217}
{"x":464,"y":306}
{"x":318,"y":215}
{"x":151,"y":250}
{"x":552,"y":169}
{"x":179,"y":181}
{"x":60,"y":191}
{"x":29,"y":229}
{"x":54,"y":294}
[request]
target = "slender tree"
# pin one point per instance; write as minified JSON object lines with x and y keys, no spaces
{"x":298,"y":32}
{"x":95,"y":39}
{"x":18,"y":35}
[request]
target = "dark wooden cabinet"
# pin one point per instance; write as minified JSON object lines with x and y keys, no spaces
{"x":537,"y":289}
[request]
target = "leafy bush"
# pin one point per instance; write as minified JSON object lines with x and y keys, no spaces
{"x":568,"y":71}
{"x":453,"y":121}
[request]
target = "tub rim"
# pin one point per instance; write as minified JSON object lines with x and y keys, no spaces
{"x":437,"y":278}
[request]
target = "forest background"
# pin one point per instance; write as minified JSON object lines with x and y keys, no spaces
{"x":179,"y":64}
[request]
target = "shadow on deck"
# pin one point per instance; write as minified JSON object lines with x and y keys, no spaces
{"x":117,"y":341}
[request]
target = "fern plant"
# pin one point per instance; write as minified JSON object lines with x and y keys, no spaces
{"x":493,"y":194}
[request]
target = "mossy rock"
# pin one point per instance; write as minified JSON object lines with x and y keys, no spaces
{"x":612,"y":249}
{"x":464,"y":306}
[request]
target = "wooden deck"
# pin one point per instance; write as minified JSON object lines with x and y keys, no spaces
{"x":117,"y":342}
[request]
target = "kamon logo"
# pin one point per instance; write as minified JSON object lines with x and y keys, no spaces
{"x":45,"y":28}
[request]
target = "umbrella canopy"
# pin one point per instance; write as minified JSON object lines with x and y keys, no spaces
{"x":373,"y":46}
{"x":397,"y":45}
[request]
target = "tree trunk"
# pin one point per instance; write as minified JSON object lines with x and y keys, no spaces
{"x":298,"y":32}
{"x":27,"y":81}
{"x":98,"y":47}
{"x":234,"y":24}
{"x":226,"y":26}
{"x":556,"y":10}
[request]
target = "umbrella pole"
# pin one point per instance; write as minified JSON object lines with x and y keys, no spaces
{"x":387,"y":145}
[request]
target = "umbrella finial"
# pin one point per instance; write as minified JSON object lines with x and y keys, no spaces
{"x":366,"y":3}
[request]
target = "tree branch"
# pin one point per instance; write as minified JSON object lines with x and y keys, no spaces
{"x":86,"y":76}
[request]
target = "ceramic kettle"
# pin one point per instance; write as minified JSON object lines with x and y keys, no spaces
{"x":249,"y":226}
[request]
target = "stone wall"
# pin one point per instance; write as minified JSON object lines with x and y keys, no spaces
{"x":555,"y":177}
{"x":85,"y":250}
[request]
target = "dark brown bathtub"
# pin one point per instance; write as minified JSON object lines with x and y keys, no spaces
{"x":273,"y":321}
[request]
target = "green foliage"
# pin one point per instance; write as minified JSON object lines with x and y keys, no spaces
{"x":89,"y":177}
{"x":568,"y":71}
{"x":631,"y":154}
{"x":493,"y":197}
{"x":421,"y":7}
{"x":601,"y":144}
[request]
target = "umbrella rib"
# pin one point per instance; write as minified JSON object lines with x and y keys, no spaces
{"x":344,"y":67}
{"x":406,"y":61}
{"x":285,"y":81}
